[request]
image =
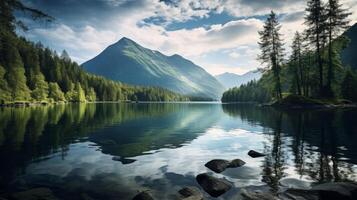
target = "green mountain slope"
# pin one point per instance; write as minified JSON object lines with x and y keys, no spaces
{"x":348,"y":55}
{"x":131,"y":63}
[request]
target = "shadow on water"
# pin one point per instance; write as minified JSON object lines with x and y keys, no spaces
{"x":321,"y":143}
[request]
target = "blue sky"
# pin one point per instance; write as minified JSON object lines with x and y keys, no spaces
{"x":219,"y":35}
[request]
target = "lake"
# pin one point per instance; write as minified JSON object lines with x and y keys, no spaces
{"x":113,"y":150}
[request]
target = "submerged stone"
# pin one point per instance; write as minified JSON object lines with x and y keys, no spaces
{"x":213,"y":186}
{"x":190,"y":193}
{"x":145,"y":195}
{"x":326,"y":191}
{"x":35,"y":194}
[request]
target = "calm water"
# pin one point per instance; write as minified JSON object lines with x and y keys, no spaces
{"x":111,"y":151}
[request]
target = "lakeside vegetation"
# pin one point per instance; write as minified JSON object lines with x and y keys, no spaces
{"x":32,"y":73}
{"x":313,"y":70}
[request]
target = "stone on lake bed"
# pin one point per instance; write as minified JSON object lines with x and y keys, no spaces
{"x":219,"y":165}
{"x":190,"y":193}
{"x":145,"y":195}
{"x":35,"y":194}
{"x":326,"y":191}
{"x":255,"y":154}
{"x":213,"y":186}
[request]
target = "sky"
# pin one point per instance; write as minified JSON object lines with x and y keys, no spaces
{"x":218,"y":35}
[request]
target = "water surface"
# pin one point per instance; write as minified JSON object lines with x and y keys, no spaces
{"x":111,"y":151}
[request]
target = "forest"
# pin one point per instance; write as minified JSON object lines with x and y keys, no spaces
{"x":32,"y":73}
{"x":314,"y":68}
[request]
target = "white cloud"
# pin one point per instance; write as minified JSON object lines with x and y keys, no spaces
{"x":84,"y":42}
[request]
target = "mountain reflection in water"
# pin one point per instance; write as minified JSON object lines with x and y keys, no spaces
{"x":113,"y":150}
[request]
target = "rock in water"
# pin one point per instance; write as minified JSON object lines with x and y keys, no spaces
{"x":217,"y":165}
{"x":236,"y":163}
{"x":124,"y":161}
{"x":326,"y":191}
{"x":35,"y":194}
{"x":255,"y":154}
{"x":213,"y":186}
{"x":190,"y":193}
{"x":145,"y":195}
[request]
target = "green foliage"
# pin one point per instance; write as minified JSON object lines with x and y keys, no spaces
{"x":40,"y":92}
{"x":250,"y":92}
{"x":5,"y":94}
{"x":55,"y":92}
{"x":271,"y":46}
{"x":31,"y":72}
{"x":91,"y":96}
{"x":79,"y":93}
{"x":312,"y":73}
{"x":349,"y":86}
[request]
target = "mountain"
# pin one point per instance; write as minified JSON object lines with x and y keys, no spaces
{"x":229,"y":80}
{"x":348,"y":55}
{"x":128,"y":62}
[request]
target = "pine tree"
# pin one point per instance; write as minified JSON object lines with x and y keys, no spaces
{"x":316,"y":32}
{"x":16,"y":74}
{"x":336,"y":23}
{"x":297,"y":62}
{"x":271,"y":46}
{"x":65,"y":56}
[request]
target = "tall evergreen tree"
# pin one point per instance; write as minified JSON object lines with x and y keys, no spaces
{"x":271,"y":46}
{"x":316,"y":33}
{"x":296,"y":59}
{"x":336,"y":23}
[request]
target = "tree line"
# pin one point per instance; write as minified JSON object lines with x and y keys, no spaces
{"x":30,"y":72}
{"x":313,"y":69}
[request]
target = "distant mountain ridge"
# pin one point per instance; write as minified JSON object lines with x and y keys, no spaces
{"x":128,"y":62}
{"x":229,"y":80}
{"x":348,"y":55}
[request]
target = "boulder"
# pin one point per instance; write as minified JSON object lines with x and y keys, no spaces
{"x":255,"y":154}
{"x":190,"y":193}
{"x":213,"y":186}
{"x":236,"y":163}
{"x":145,"y":195}
{"x":219,"y":165}
{"x":35,"y":194}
